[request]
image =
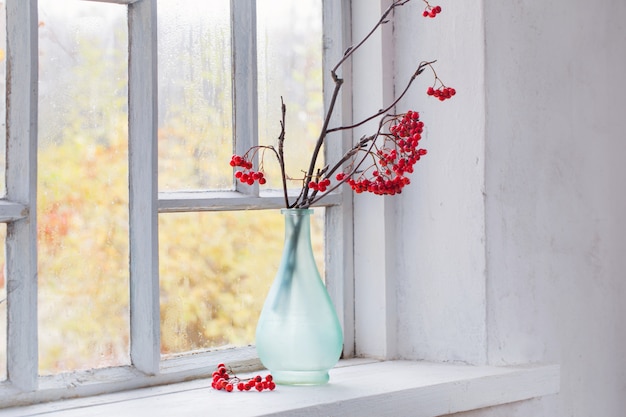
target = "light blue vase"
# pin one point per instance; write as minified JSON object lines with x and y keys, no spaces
{"x":298,"y":336}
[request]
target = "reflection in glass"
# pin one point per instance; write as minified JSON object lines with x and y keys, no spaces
{"x":82,"y":186}
{"x":290,"y":65}
{"x":195,"y":100}
{"x":215,"y":271}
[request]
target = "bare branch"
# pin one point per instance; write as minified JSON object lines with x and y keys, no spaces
{"x":381,"y":21}
{"x":281,"y":153}
{"x":419,"y":70}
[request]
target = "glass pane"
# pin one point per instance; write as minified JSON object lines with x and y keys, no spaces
{"x":3,"y":307}
{"x":290,"y":65}
{"x":195,"y":115}
{"x":216,"y":268}
{"x":3,"y":68}
{"x":83,"y":186}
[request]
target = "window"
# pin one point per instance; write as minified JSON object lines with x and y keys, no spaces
{"x":120,"y":205}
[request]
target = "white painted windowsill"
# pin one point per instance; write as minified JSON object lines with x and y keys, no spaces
{"x":357,"y":387}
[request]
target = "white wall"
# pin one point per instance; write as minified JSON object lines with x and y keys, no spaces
{"x":521,"y":198}
{"x":441,"y":215}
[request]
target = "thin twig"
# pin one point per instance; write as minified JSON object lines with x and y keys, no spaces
{"x":419,"y":70}
{"x":304,"y":202}
{"x":381,"y":21}
{"x":281,"y":154}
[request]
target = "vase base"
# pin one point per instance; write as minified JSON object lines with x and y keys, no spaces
{"x":300,"y":377}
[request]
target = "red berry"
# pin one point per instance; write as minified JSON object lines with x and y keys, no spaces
{"x":229,"y":387}
{"x":259,"y":386}
{"x":425,"y":14}
{"x":262,"y":181}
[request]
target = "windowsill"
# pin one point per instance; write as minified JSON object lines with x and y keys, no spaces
{"x":357,"y":387}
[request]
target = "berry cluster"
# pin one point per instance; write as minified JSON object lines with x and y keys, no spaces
{"x":247,"y":176}
{"x":394,"y":160}
{"x":226,"y":381}
{"x":431,"y":11}
{"x":320,"y":186}
{"x":442,"y":93}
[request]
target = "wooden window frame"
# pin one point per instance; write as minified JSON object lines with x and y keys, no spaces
{"x":18,"y":207}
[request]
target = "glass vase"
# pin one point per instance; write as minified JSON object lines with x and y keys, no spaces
{"x":298,"y":336}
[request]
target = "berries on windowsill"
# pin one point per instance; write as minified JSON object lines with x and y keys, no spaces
{"x":225,"y":380}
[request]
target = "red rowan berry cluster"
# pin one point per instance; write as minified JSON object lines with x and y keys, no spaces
{"x":442,"y":93}
{"x":431,"y":11}
{"x":391,"y":154}
{"x":320,"y":186}
{"x":247,"y":176}
{"x":394,"y":159}
{"x":225,"y":380}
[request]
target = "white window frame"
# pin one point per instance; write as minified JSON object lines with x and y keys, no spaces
{"x":18,"y":207}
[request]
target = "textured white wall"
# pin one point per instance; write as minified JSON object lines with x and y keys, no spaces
{"x":539,"y":126}
{"x":440,"y":221}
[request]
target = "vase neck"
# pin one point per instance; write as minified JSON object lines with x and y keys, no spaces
{"x":298,"y":223}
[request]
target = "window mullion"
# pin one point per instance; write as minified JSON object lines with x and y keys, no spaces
{"x":338,"y":230}
{"x":21,"y":180}
{"x":142,"y":143}
{"x":244,"y":62}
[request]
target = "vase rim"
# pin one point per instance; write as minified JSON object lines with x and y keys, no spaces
{"x":296,"y":210}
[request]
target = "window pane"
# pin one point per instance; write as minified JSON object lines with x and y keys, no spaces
{"x":3,"y":307}
{"x":3,"y":68}
{"x":195,"y":101}
{"x":215,"y":271}
{"x":83,"y":186}
{"x":290,"y":65}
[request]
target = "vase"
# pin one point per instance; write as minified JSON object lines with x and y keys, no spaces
{"x":298,"y":335}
